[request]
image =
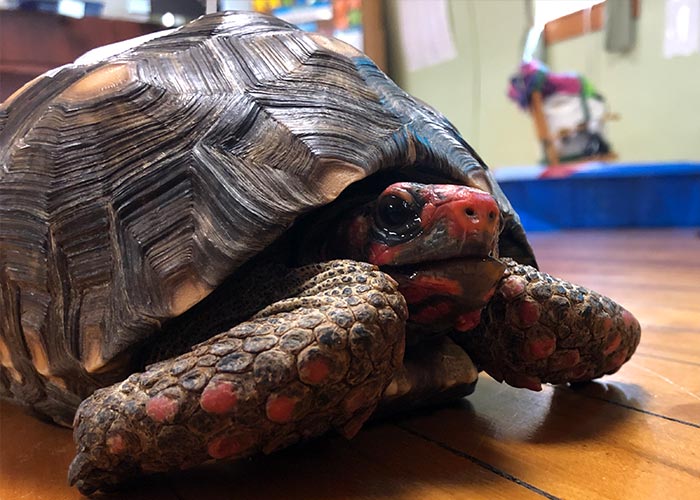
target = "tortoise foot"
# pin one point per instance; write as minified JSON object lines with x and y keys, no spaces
{"x":434,"y":373}
{"x":318,"y":360}
{"x":540,"y":329}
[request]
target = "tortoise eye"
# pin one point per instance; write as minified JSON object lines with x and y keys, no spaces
{"x":396,"y":215}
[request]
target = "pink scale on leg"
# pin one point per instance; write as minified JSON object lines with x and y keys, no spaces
{"x":280,"y":408}
{"x":161,"y":409}
{"x":219,"y":398}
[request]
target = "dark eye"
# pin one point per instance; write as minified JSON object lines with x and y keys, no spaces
{"x":394,"y":212}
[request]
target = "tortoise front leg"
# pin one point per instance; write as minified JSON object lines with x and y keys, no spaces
{"x":540,"y":329}
{"x":318,"y":360}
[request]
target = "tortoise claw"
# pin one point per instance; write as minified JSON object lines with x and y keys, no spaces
{"x":85,"y":476}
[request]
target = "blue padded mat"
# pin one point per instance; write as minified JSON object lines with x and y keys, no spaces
{"x":598,"y":195}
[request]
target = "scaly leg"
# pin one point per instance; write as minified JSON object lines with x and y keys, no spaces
{"x":539,"y":329}
{"x":318,"y":360}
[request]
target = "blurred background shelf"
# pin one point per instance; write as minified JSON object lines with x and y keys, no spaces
{"x":32,"y":43}
{"x":35,"y":41}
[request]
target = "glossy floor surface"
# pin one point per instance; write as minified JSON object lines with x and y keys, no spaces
{"x":633,"y":435}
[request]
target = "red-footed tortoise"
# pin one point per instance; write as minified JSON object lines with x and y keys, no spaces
{"x":237,"y":235}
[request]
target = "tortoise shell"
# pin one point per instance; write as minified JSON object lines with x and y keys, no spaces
{"x":132,"y":186}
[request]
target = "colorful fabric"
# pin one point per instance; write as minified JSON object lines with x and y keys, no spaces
{"x":535,"y":76}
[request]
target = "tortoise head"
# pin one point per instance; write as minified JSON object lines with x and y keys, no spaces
{"x":440,"y":243}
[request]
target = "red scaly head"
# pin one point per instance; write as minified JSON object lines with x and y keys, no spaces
{"x":438,"y":241}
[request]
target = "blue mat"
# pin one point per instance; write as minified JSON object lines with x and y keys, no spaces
{"x":599,"y":195}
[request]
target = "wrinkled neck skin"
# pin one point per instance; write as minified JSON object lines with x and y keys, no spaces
{"x":439,"y":242}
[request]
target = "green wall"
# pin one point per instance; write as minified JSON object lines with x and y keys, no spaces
{"x":658,"y":99}
{"x":471,"y":89}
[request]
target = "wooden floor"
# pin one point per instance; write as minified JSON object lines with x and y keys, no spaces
{"x":634,"y":435}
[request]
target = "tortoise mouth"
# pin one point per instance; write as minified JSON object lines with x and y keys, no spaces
{"x":446,"y":295}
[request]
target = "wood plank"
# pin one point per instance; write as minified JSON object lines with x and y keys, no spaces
{"x":375,"y":33}
{"x":575,"y":24}
{"x":569,"y":446}
{"x":660,"y":386}
{"x":542,"y":129}
{"x":382,"y":462}
{"x":34,"y":459}
{"x":580,"y":22}
{"x":678,"y":345}
{"x":665,"y":383}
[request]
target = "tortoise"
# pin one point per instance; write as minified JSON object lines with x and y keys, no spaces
{"x":229,"y":237}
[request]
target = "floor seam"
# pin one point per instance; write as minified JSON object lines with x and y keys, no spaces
{"x":480,"y":463}
{"x":666,"y":358}
{"x":640,"y":410}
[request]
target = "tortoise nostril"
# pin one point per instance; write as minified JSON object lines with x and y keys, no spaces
{"x":492,"y":215}
{"x":470,"y":212}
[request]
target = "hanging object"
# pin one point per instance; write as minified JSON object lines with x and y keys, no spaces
{"x":620,"y":26}
{"x":569,"y":113}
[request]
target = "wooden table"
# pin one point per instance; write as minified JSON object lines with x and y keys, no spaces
{"x":634,"y":435}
